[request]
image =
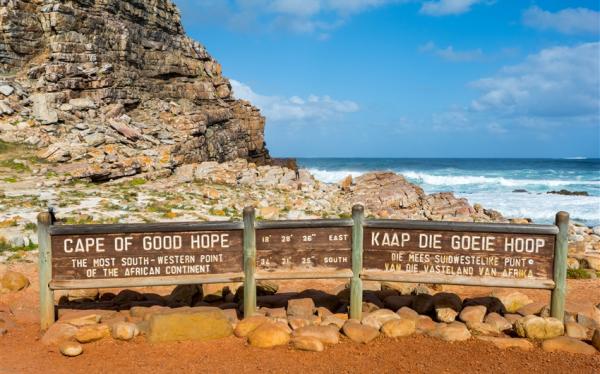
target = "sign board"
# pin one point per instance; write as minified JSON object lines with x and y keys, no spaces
{"x":288,"y":248}
{"x":112,"y":252}
{"x":486,"y":254}
{"x":483,"y":254}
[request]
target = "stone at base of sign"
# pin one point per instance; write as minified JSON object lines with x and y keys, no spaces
{"x":455,"y":331}
{"x":505,"y":343}
{"x":269,"y":335}
{"x":70,"y":349}
{"x":326,"y":334}
{"x":308,"y":343}
{"x":92,"y":333}
{"x":189,"y":325}
{"x":360,"y":333}
{"x":247,"y":325}
{"x":569,"y":345}
{"x":534,"y":327}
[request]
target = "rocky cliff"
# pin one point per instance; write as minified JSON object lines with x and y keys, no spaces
{"x":113,"y":88}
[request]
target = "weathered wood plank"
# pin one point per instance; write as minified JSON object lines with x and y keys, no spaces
{"x":145,"y":282}
{"x":283,"y":275}
{"x":310,"y":223}
{"x":249,"y":262}
{"x":144,"y":227}
{"x":458,"y":280}
{"x":356,"y":287}
{"x":464,"y":226}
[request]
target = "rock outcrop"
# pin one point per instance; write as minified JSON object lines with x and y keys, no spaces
{"x":114,"y":88}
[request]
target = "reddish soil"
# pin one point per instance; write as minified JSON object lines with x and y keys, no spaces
{"x":21,"y":351}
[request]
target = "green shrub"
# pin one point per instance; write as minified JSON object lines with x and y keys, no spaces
{"x":578,"y":274}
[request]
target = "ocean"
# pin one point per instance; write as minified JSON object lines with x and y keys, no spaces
{"x":490,"y":182}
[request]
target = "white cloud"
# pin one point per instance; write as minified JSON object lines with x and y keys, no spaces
{"x":559,"y":82}
{"x":447,"y":7}
{"x":450,"y":54}
{"x":558,"y":86}
{"x":295,"y":108}
{"x":300,"y":16}
{"x":567,"y":21}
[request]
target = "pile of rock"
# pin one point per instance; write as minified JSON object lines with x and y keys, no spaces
{"x":312,"y":319}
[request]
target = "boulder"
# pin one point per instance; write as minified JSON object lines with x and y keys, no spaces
{"x":6,"y":90}
{"x":505,"y":343}
{"x":359,"y":333}
{"x":14,"y":281}
{"x":398,"y":301}
{"x":513,"y":300}
{"x":399,"y":328}
{"x":493,"y":304}
{"x":379,"y":317}
{"x":124,"y":330}
{"x":423,"y":304}
{"x":91,"y":333}
{"x":567,"y":344}
{"x":406,"y":312}
{"x":575,"y":330}
{"x":269,"y":335}
{"x":326,"y":334}
{"x":58,"y":332}
{"x":249,"y":324}
{"x":303,"y":308}
{"x":500,"y":323}
{"x":534,"y":327}
{"x":534,"y":309}
{"x":445,"y":314}
{"x":472,"y":314}
{"x":596,"y":339}
{"x":195,"y":324}
{"x":297,"y":323}
{"x":451,"y":332}
{"x":333,"y":320}
{"x":308,"y":343}
{"x":482,"y":328}
{"x":186,"y":294}
{"x":424,"y":324}
{"x":447,"y":300}
{"x":70,"y":348}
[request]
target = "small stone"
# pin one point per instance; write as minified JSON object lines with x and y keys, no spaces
{"x":399,"y":328}
{"x":6,"y":90}
{"x":124,"y":330}
{"x":567,"y":344}
{"x":532,"y":309}
{"x":473,"y":314}
{"x":298,"y":323}
{"x":534,"y":327}
{"x":58,"y":333}
{"x":575,"y":330}
{"x":70,"y":349}
{"x":326,"y":334}
{"x":268,"y":335}
{"x":14,"y":281}
{"x":406,"y":312}
{"x":499,"y":322}
{"x":86,"y":320}
{"x":88,"y":334}
{"x":505,"y":343}
{"x":379,"y":317}
{"x":596,"y":337}
{"x":446,"y":314}
{"x":95,"y":139}
{"x":302,"y":308}
{"x":247,"y":325}
{"x":308,"y":343}
{"x":360,"y":333}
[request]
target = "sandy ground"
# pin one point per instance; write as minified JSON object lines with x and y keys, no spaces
{"x":21,"y":351}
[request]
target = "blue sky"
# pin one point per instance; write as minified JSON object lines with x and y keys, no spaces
{"x":402,"y":78}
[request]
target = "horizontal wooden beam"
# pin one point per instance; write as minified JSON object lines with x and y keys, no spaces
{"x":545,"y":284}
{"x":281,"y":275}
{"x":144,"y":227}
{"x":145,"y":282}
{"x":309,"y":223}
{"x":462,"y":226}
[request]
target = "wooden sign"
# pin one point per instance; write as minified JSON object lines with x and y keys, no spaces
{"x":303,"y":249}
{"x":465,"y":251}
{"x":136,"y":251}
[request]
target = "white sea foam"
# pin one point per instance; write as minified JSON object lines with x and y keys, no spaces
{"x":541,"y":208}
{"x":457,"y":180}
{"x":334,"y":176}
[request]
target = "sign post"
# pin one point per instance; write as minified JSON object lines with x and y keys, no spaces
{"x":249,"y":262}
{"x":356,"y":289}
{"x":47,"y":317}
{"x":557,"y":305}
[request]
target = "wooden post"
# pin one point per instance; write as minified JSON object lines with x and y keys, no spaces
{"x":356,"y":289}
{"x":249,"y":262}
{"x":557,"y":305}
{"x":44,"y":221}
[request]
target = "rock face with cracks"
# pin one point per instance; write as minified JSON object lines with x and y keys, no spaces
{"x":115,"y":88}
